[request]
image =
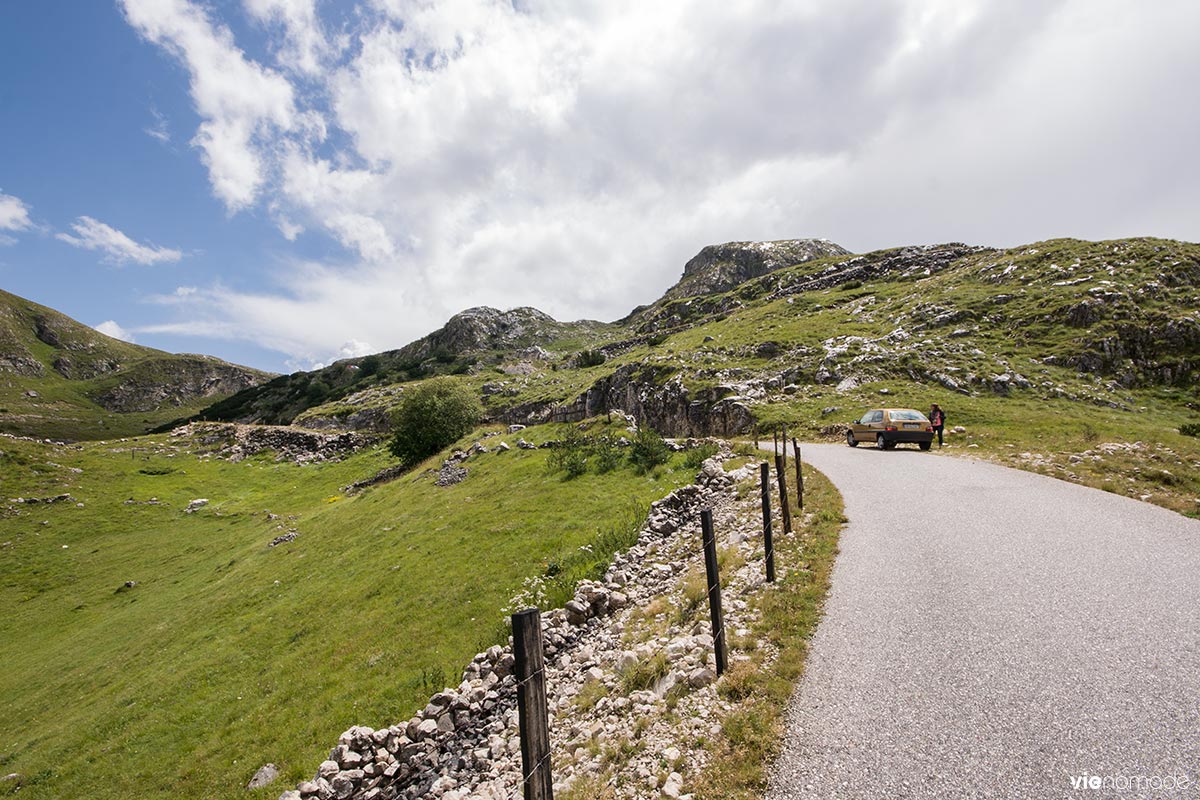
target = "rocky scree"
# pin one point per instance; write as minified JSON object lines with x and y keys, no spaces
{"x":235,"y":442}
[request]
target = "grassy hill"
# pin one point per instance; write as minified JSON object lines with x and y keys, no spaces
{"x":468,"y":342}
{"x":1078,"y":359}
{"x":154,"y":653}
{"x":64,"y":380}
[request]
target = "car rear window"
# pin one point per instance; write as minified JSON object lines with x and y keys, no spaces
{"x":906,"y":414}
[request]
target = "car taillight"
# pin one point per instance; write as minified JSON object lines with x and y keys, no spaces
{"x":892,"y":429}
{"x":929,"y":429}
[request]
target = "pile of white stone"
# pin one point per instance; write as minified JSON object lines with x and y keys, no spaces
{"x":464,"y":745}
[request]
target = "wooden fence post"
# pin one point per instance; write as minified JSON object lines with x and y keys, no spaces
{"x":768,"y":545}
{"x":532,"y":709}
{"x":783,"y":440}
{"x":799,"y":475}
{"x":781,"y":477}
{"x":714,"y":587}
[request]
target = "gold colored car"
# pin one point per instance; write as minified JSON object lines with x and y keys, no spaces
{"x":888,"y":427}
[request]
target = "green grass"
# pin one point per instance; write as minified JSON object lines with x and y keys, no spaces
{"x":226,"y":653}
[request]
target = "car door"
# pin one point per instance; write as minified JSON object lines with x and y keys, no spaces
{"x":876,"y":427}
{"x":869,"y":426}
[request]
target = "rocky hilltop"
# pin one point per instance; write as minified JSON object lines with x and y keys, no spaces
{"x":472,"y":340}
{"x":721,"y":267}
{"x":62,"y":378}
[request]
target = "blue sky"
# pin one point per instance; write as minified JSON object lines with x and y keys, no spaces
{"x":285,"y":182}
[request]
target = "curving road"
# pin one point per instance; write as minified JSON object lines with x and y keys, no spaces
{"x":995,"y":633}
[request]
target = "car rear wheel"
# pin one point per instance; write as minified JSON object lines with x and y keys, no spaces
{"x":925,"y":445}
{"x":880,"y":442}
{"x":850,"y":440}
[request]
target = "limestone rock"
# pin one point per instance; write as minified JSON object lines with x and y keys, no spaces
{"x":266,"y":774}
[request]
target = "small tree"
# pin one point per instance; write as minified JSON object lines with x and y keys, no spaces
{"x":570,"y":455}
{"x":431,"y":416}
{"x":648,"y":450}
{"x":590,"y":358}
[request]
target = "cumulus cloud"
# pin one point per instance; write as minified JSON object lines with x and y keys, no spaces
{"x":306,"y":321}
{"x":111,"y":328}
{"x":304,"y":47}
{"x":573,"y":155}
{"x":91,"y":234}
{"x":14,"y":214}
{"x":241,"y":103}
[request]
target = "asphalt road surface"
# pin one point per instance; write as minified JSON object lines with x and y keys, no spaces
{"x":995,"y":633}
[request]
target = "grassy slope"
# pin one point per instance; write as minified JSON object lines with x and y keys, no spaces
{"x":228,"y":654}
{"x":65,"y":408}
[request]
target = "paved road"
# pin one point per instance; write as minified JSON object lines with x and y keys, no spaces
{"x":995,"y":633}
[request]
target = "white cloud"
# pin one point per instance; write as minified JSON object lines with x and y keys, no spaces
{"x":14,"y":214}
{"x":322,"y":307}
{"x":159,"y":131}
{"x":305,"y":48}
{"x":573,"y":154}
{"x":354,"y":349}
{"x":91,"y":234}
{"x":241,"y":103}
{"x":111,"y":328}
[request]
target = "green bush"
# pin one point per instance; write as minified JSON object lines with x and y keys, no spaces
{"x":570,"y":455}
{"x":606,"y":453}
{"x":648,"y":450}
{"x":432,"y":416}
{"x":590,"y":358}
{"x":699,"y":454}
{"x":1190,"y":429}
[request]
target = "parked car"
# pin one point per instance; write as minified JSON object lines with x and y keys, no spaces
{"x":888,"y":427}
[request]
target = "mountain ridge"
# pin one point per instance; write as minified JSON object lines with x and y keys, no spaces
{"x":59,"y":377}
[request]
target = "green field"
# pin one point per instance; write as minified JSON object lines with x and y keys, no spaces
{"x":226,"y":653}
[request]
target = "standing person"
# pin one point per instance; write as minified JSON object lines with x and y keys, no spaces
{"x":938,"y":418}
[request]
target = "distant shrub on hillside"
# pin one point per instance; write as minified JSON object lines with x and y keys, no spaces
{"x":1190,"y":429}
{"x":570,"y":455}
{"x":699,"y":454}
{"x":432,"y":416}
{"x":590,"y":358}
{"x":648,"y":450}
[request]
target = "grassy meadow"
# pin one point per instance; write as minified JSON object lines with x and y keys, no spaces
{"x":226,"y":653}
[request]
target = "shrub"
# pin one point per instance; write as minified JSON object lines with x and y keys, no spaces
{"x":570,"y":455}
{"x":606,"y":453}
{"x":369,"y":366}
{"x":648,"y":450}
{"x":699,"y":454}
{"x":590,"y":358}
{"x":432,"y":416}
{"x":1190,"y":429}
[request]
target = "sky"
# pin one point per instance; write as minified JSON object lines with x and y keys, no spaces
{"x":282,"y":183}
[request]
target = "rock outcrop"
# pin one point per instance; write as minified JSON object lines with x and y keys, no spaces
{"x":655,"y":397}
{"x":236,"y":442}
{"x":154,"y":384}
{"x":720,"y":267}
